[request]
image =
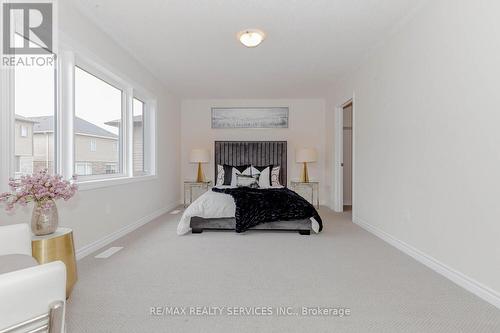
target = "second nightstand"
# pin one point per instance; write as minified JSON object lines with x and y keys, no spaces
{"x":190,"y":185}
{"x":313,"y":186}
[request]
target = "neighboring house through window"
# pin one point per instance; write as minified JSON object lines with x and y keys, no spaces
{"x":139,"y":137}
{"x":83,"y":168}
{"x":96,"y":102}
{"x":100,"y":117}
{"x":30,"y":154}
{"x":111,"y":168}
{"x":138,"y":142}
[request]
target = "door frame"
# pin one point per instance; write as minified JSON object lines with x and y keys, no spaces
{"x":338,"y":179}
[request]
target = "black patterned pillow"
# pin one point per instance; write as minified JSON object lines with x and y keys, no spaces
{"x":275,"y":176}
{"x":247,"y":181}
{"x":220,"y":175}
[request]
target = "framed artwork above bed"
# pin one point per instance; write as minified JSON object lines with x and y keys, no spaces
{"x":250,"y":117}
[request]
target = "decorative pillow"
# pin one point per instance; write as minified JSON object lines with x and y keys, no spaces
{"x":220,"y":175}
{"x":275,"y":176}
{"x":228,"y":173}
{"x":247,"y":181}
{"x":264,"y":173}
{"x":239,"y":170}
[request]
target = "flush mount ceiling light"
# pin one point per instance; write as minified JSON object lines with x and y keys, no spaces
{"x":251,"y":37}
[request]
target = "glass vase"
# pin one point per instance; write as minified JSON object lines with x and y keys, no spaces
{"x":45,"y":218}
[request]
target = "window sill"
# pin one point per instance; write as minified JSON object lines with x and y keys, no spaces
{"x":102,"y":183}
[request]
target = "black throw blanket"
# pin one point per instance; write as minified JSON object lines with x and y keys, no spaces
{"x":255,"y":206}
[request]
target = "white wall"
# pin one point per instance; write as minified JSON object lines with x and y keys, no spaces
{"x":94,"y":214}
{"x":306,"y":129}
{"x":427,"y":139}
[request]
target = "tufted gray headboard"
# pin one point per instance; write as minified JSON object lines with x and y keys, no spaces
{"x":258,"y":153}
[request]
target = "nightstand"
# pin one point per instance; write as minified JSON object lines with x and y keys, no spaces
{"x":190,"y":185}
{"x":313,"y":186}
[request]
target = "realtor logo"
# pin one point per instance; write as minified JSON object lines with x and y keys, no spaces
{"x":27,"y":28}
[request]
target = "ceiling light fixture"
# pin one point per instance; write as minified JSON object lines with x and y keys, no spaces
{"x":251,"y":37}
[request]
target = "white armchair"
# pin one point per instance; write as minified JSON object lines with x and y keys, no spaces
{"x":15,"y":239}
{"x":31,"y":295}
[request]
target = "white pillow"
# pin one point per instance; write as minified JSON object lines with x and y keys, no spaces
{"x":247,"y":171}
{"x":263,"y":177}
{"x":247,"y":181}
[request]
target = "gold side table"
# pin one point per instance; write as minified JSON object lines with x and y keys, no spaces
{"x":57,"y":246}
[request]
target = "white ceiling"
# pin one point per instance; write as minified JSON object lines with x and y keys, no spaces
{"x":191,"y":45}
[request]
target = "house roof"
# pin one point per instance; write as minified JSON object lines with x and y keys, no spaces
{"x":46,"y":124}
{"x":22,"y":118}
{"x":116,"y":122}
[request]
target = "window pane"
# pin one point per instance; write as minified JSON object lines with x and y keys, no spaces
{"x":97,"y":125}
{"x":34,"y":94}
{"x":138,"y":142}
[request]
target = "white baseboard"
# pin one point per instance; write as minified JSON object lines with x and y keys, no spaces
{"x":489,"y":295}
{"x":100,"y":243}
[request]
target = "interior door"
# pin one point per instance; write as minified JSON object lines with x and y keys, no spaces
{"x":338,"y":164}
{"x":347,"y":155}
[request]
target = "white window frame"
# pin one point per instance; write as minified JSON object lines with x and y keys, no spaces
{"x":87,"y":62}
{"x":149,"y":132}
{"x":7,"y":114}
{"x":8,"y":79}
{"x":107,"y":76}
{"x":70,"y":55}
{"x":143,"y":134}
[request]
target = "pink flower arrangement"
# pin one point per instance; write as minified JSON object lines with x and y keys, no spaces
{"x":41,"y":188}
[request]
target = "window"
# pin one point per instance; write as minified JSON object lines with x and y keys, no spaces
{"x":23,"y":166}
{"x":138,"y":137}
{"x":111,"y":168}
{"x":98,"y":122}
{"x":24,"y":131}
{"x":34,"y":118}
{"x":93,"y":145}
{"x":108,"y":121}
{"x":83,"y":168}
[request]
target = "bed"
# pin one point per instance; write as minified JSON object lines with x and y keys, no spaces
{"x":224,"y":207}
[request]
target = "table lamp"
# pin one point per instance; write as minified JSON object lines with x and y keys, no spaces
{"x":305,"y":155}
{"x":199,"y":156}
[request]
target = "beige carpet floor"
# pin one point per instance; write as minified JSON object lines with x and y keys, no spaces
{"x":345,"y":266}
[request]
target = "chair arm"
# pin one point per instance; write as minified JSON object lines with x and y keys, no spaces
{"x":27,"y":293}
{"x":15,"y":239}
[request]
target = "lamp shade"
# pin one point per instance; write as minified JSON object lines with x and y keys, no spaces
{"x":306,"y":155}
{"x":199,"y":156}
